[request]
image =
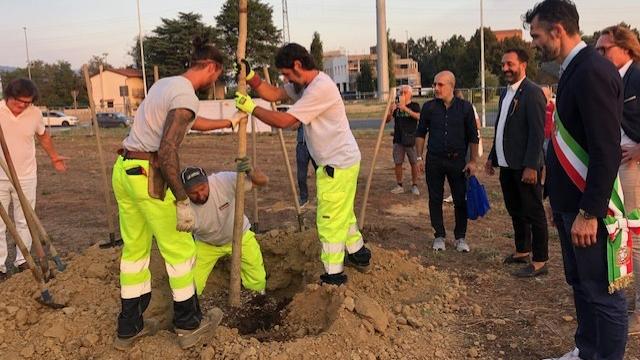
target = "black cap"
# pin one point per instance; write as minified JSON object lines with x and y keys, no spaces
{"x":192,"y":176}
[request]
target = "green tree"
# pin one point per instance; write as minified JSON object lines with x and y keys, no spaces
{"x":469,"y":66}
{"x":263,"y":37}
{"x":169,"y":45}
{"x":425,"y":51}
{"x":95,"y":61}
{"x":451,"y":55}
{"x":364,"y":82}
{"x":391,"y":62}
{"x":316,"y":50}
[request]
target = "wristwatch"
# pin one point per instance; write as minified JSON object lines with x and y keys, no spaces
{"x":586,"y":215}
{"x":419,"y":158}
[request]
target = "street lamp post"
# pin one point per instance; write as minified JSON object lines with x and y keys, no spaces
{"x":144,"y":75}
{"x":26,"y":45}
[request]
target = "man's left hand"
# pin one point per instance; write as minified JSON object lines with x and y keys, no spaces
{"x":529,"y":176}
{"x":583,"y":231}
{"x":59,"y":163}
{"x":631,"y":153}
{"x":470,"y":168}
{"x":244,"y":103}
{"x":243,"y":165}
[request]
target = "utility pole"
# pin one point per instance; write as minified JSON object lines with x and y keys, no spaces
{"x":407,"y":43}
{"x":26,"y":45}
{"x":144,"y":75}
{"x":482,"y":84}
{"x":381,"y":49}
{"x":286,"y":38}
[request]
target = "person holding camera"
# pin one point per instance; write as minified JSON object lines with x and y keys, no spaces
{"x":451,"y":126}
{"x":405,"y":114}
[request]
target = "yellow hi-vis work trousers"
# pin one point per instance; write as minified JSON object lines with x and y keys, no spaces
{"x":336,"y":219}
{"x":141,"y":219}
{"x":251,"y":269}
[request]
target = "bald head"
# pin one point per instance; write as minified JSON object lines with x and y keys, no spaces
{"x":443,"y":85}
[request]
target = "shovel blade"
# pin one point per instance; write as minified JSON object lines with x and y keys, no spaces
{"x":47,"y":300}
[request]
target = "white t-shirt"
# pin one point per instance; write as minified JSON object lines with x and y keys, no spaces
{"x":504,"y":110}
{"x":326,"y":127}
{"x":19,"y":132}
{"x":214,"y":219}
{"x":165,"y":95}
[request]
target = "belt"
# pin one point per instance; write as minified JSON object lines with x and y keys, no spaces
{"x":452,"y":155}
{"x":135,"y":155}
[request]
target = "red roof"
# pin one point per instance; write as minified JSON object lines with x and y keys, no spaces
{"x":128,"y":72}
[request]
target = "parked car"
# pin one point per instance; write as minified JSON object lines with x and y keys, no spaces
{"x":58,"y":118}
{"x":112,"y":119}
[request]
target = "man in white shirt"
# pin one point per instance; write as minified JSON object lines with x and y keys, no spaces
{"x":21,"y":122}
{"x":214,"y":200}
{"x":621,"y":46}
{"x":319,"y":107}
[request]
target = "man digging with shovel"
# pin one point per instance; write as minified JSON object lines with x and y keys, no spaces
{"x":319,"y":107}
{"x":213,"y":200}
{"x":148,"y":163}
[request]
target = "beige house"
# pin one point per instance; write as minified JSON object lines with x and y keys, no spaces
{"x":118,"y":90}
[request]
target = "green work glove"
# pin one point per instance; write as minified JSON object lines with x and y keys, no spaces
{"x":243,"y":165}
{"x":245,"y":103}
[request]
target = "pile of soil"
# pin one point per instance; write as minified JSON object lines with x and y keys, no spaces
{"x":398,"y":310}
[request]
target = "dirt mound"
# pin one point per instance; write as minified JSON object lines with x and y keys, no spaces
{"x":399,"y":310}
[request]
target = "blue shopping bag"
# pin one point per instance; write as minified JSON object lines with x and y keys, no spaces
{"x":477,"y":200}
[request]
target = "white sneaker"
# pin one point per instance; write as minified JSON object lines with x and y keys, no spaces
{"x":462,"y":246}
{"x":571,"y":355}
{"x":414,"y":190}
{"x":438,"y":244}
{"x":448,"y":199}
{"x":397,"y":190}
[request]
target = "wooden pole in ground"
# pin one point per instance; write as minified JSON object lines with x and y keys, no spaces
{"x":103,"y":168}
{"x":283,"y":146}
{"x":236,"y":252}
{"x":383,"y":122}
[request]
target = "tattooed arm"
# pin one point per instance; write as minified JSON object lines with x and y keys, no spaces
{"x":174,"y":130}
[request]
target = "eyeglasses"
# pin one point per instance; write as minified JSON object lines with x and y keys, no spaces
{"x":25,"y":103}
{"x":603,"y":49}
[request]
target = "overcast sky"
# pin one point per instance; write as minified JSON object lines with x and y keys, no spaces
{"x":73,"y":30}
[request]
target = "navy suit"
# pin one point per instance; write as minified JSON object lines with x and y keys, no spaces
{"x":589,"y":103}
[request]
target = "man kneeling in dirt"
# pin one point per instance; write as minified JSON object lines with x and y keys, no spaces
{"x":213,"y":200}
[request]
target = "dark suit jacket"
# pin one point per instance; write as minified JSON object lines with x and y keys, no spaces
{"x":524,"y":130}
{"x":589,"y":103}
{"x":631,"y":111}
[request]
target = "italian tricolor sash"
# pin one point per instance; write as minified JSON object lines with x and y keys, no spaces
{"x":575,"y":162}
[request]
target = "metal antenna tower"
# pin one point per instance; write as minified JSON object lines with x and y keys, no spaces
{"x":285,"y":23}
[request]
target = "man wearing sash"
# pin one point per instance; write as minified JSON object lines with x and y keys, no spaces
{"x":582,"y":166}
{"x":621,"y":46}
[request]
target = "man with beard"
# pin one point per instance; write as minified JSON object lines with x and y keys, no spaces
{"x":319,"y":107}
{"x":213,"y":200}
{"x":147,"y":162}
{"x":582,"y":165}
{"x":517,"y":150}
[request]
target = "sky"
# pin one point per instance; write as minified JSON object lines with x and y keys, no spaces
{"x":74,"y":30}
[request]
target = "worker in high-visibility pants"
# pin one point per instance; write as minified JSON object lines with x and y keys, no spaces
{"x":213,"y":199}
{"x":318,"y":106}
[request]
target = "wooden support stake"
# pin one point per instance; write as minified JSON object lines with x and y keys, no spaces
{"x":254,"y":161}
{"x":283,"y":146}
{"x":236,"y":247}
{"x":383,"y":122}
{"x":109,"y":208}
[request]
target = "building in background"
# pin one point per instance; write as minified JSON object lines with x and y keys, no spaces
{"x":336,"y":66}
{"x":504,"y":34}
{"x":118,"y":90}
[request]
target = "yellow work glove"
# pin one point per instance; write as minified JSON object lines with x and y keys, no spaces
{"x":245,"y":103}
{"x":185,"y":215}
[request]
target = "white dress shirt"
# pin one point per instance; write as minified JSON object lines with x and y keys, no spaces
{"x":624,"y":139}
{"x":572,"y":54}
{"x":504,"y":111}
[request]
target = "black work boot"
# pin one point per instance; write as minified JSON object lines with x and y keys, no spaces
{"x":359,"y":259}
{"x":333,"y":279}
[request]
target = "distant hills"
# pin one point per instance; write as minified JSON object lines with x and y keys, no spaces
{"x":7,"y":68}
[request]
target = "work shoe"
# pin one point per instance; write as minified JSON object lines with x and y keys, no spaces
{"x":462,"y":246}
{"x":530,"y":271}
{"x":333,"y":279}
{"x":438,"y":244}
{"x":634,"y":325}
{"x":22,"y":267}
{"x":208,"y":324}
{"x":359,"y":260}
{"x":414,"y":190}
{"x":150,"y":328}
{"x":397,"y":190}
{"x":448,"y":199}
{"x":571,"y":355}
{"x":513,"y":259}
{"x":3,"y":276}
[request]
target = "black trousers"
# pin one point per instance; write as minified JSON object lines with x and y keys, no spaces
{"x":186,"y":314}
{"x":602,"y":317}
{"x":524,"y":204}
{"x":437,"y":169}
